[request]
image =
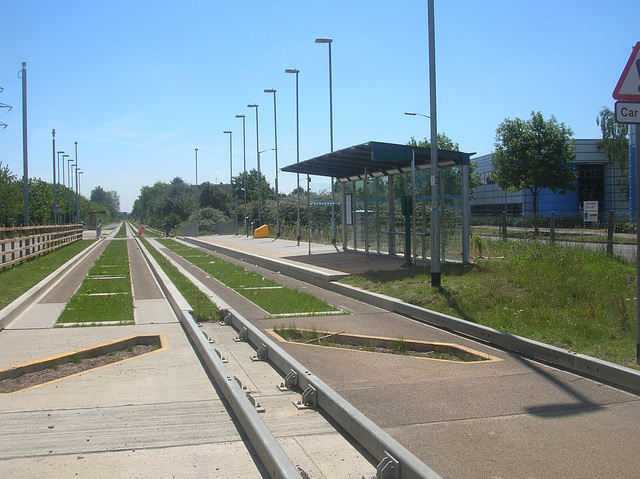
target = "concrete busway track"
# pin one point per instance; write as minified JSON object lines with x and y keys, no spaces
{"x":513,"y":417}
{"x":157,"y":416}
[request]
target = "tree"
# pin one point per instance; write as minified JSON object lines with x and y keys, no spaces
{"x":533,"y":154}
{"x":10,"y":197}
{"x":615,"y":143}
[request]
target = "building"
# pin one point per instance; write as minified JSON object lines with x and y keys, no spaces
{"x":597,"y":180}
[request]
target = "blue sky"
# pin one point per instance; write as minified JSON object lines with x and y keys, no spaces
{"x":141,"y":84}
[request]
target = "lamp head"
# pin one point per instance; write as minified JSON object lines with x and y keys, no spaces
{"x":252,"y":106}
{"x":240,"y":116}
{"x":269,"y":90}
{"x":291,"y":70}
{"x":227,"y":131}
{"x":324,"y":40}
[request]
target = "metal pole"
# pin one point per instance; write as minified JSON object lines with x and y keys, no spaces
{"x":64,"y":185}
{"x":244,"y":176}
{"x":25,"y":153}
{"x":299,"y":225}
{"x":77,"y":209}
{"x":197,"y":197}
{"x":258,"y":159}
{"x":633,"y":141}
{"x":275,"y":127}
{"x":235,"y":213}
{"x":69,"y":161}
{"x":435,"y":207}
{"x":55,"y":216}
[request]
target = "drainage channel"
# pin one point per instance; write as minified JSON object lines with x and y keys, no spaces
{"x":292,"y":418}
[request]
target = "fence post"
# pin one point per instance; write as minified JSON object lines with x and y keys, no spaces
{"x":504,"y":226}
{"x":552,"y":227}
{"x":610,"y":234}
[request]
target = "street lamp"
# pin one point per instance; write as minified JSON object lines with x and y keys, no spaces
{"x":56,"y":180}
{"x":76,"y":165}
{"x":53,"y":184}
{"x":297,"y":72}
{"x":329,"y":41}
{"x":258,"y":160}
{"x":197,"y":195}
{"x":275,"y":126}
{"x":244,"y":176}
{"x":233,"y":203}
{"x":69,"y":160}
{"x":413,"y":113}
{"x":435,"y":209}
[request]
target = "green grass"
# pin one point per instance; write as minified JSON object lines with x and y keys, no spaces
{"x":585,"y":236}
{"x":109,"y":275}
{"x":203,"y":308}
{"x":122,"y":231}
{"x":269,"y":295}
{"x":569,"y":297}
{"x":15,"y":281}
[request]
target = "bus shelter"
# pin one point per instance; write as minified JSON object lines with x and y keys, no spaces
{"x":386,"y":198}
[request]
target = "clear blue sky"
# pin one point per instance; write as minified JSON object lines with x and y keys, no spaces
{"x":141,"y":84}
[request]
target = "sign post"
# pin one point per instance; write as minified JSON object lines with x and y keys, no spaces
{"x":628,"y":89}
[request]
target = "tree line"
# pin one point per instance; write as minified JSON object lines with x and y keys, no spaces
{"x":105,"y":204}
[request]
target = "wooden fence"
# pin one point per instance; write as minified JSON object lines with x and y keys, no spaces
{"x":21,"y":243}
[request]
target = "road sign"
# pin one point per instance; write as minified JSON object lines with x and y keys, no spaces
{"x":590,"y":210}
{"x":628,"y":87}
{"x":627,"y":112}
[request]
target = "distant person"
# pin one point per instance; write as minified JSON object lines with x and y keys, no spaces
{"x":166,"y":226}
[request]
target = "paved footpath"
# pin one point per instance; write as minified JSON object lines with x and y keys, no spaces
{"x":507,"y":418}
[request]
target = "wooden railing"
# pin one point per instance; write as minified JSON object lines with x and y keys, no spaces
{"x":21,"y":243}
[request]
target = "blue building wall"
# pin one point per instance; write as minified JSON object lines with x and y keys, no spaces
{"x":488,"y":200}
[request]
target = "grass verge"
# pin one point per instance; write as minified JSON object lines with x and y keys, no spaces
{"x":569,"y":297}
{"x":105,"y":294}
{"x":203,"y":308}
{"x":269,"y":295}
{"x":15,"y":281}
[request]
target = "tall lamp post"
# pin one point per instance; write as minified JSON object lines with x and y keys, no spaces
{"x":69,"y":165}
{"x":329,"y":41}
{"x":258,"y":159}
{"x":61,"y":173}
{"x":275,"y":126}
{"x":53,"y":136}
{"x":56,"y":181}
{"x":233,"y":203}
{"x":297,"y":72}
{"x":76,"y":165}
{"x":435,"y":212}
{"x":197,"y":197}
{"x":244,"y":175}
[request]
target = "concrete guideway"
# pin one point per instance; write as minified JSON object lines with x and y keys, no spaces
{"x":167,"y":416}
{"x":510,"y":418}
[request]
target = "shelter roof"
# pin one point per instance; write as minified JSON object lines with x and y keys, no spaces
{"x":376,"y":159}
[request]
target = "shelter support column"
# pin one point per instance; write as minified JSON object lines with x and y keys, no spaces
{"x":466,"y":214}
{"x":344,"y":216}
{"x":392,"y":217}
{"x":366,"y":212}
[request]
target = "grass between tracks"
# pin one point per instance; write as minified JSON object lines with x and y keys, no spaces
{"x":274,"y":298}
{"x":569,"y":297}
{"x":15,"y":281}
{"x":105,"y":294}
{"x":203,"y":308}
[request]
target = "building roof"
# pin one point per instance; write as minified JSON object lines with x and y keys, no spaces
{"x":376,"y":159}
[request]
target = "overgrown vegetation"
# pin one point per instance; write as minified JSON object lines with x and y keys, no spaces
{"x":105,"y":294}
{"x":269,"y":295}
{"x":22,"y":277}
{"x":203,"y":308}
{"x":569,"y":297}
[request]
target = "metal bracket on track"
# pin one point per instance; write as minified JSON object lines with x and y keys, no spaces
{"x":388,"y":468}
{"x":309,"y":399}
{"x":243,"y":335}
{"x":261,"y":354}
{"x":290,"y":381}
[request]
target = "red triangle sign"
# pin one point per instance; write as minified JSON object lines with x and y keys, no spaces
{"x":628,"y":87}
